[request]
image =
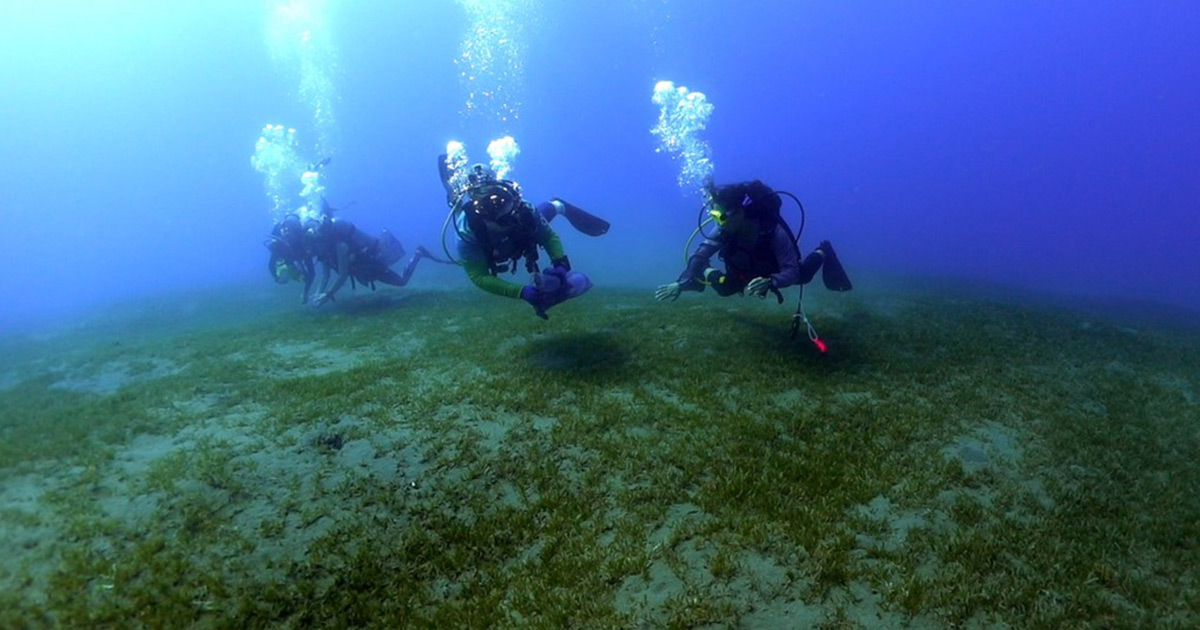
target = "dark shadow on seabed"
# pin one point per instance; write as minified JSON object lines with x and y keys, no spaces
{"x":596,"y":357}
{"x":370,"y":304}
{"x":386,"y":300}
{"x":770,"y":336}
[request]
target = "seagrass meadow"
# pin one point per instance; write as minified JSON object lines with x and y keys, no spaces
{"x":435,"y":459}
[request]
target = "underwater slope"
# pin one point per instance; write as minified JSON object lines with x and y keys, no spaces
{"x":432,"y":459}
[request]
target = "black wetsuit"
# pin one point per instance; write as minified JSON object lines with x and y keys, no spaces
{"x":772,"y":255}
{"x":367,"y":258}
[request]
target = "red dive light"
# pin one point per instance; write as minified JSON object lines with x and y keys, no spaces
{"x":821,"y":345}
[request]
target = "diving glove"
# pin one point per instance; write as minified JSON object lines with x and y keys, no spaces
{"x":668,"y":292}
{"x":536,"y":299}
{"x":758,"y":287}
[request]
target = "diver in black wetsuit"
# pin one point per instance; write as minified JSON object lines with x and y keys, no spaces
{"x":760,"y":252}
{"x":290,"y":257}
{"x":757,"y":247}
{"x":356,"y":256}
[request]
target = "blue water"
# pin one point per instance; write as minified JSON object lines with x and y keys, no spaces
{"x":1051,"y":146}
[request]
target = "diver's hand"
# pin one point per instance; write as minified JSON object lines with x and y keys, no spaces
{"x":321,"y":298}
{"x":550,"y":281}
{"x":668,"y":292}
{"x":536,"y":299}
{"x":758,"y":287}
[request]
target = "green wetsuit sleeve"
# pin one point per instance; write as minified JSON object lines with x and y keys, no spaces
{"x":549,"y":240}
{"x":477,"y":271}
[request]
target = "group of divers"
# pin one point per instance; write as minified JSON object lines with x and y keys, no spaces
{"x":496,"y":230}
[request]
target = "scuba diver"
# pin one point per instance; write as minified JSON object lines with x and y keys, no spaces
{"x":760,"y":253}
{"x":495,"y":229}
{"x":356,"y":256}
{"x":290,"y":257}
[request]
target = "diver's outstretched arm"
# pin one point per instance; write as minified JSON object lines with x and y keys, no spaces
{"x":697,"y":263}
{"x":310,"y":274}
{"x":343,"y":257}
{"x":669,"y":291}
{"x":324,"y":278}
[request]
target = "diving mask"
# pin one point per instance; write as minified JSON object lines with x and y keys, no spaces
{"x":719,"y":215}
{"x":495,"y":202}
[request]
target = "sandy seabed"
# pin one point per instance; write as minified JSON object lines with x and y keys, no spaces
{"x":445,"y":459}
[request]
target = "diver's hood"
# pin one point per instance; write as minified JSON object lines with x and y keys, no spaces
{"x":279,"y":247}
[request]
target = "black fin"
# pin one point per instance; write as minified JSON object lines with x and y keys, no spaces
{"x":832,"y":273}
{"x":583,"y":221}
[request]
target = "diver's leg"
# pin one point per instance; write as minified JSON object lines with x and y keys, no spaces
{"x":580,"y":219}
{"x":405,"y":274}
{"x":387,"y":249}
{"x":370,"y":270}
{"x":810,"y":266}
{"x":391,"y":277}
{"x":548,"y":210}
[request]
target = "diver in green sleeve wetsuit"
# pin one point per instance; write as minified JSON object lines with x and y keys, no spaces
{"x":496,"y":230}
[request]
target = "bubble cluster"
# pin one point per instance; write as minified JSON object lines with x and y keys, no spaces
{"x":683,"y":114}
{"x":298,"y":36}
{"x":491,"y":60}
{"x":502,"y":152}
{"x":277,"y":157}
{"x":313,"y":193}
{"x":456,"y":163}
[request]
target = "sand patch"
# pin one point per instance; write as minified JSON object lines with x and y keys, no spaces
{"x":198,"y":406}
{"x":855,"y":399}
{"x":896,"y":522}
{"x":21,"y":498}
{"x":9,"y":380}
{"x":27,"y":533}
{"x":114,"y":375}
{"x":1172,"y":384}
{"x":619,"y":397}
{"x":783,"y":614}
{"x":137,"y":456}
{"x":404,"y":345}
{"x":669,"y":397}
{"x":990,"y":446}
{"x":298,"y":360}
{"x":796,"y":402}
{"x":650,"y":591}
{"x":676,"y":516}
{"x":511,"y":345}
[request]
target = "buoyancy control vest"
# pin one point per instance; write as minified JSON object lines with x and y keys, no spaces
{"x":760,"y":204}
{"x":506,"y":242}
